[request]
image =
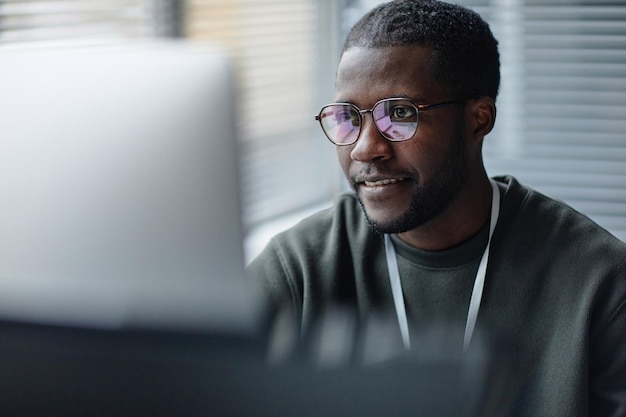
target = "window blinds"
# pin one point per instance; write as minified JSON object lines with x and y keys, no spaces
{"x":561,"y":124}
{"x":285,"y":161}
{"x":81,"y":21}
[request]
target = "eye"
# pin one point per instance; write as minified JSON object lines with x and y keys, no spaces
{"x":342,"y":116}
{"x":402,"y":113}
{"x":346,"y":116}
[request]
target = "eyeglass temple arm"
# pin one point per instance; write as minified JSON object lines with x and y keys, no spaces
{"x":424,"y":107}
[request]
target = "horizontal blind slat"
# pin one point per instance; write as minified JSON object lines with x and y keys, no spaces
{"x":274,"y":44}
{"x":49,"y":20}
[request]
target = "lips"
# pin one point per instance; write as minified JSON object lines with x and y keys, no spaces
{"x":385,"y":181}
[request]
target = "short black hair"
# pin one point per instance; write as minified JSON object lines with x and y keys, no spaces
{"x":465,"y":51}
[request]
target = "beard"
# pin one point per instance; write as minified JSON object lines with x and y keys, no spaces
{"x":430,"y":199}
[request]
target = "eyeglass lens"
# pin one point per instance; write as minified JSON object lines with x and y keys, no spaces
{"x":396,"y":120}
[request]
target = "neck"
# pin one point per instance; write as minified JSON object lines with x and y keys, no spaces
{"x":462,"y":219}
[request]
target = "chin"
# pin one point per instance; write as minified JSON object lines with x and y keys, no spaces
{"x":385,"y":221}
{"x":391,"y":226}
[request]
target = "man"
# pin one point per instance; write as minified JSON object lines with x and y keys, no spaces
{"x":430,"y":237}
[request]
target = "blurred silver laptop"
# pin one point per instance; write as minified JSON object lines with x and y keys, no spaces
{"x":119,"y":188}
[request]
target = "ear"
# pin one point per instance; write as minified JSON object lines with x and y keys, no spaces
{"x":481,"y":116}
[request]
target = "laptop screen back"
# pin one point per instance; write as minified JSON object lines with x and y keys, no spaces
{"x":119,"y":188}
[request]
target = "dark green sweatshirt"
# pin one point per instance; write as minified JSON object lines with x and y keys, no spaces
{"x":555,"y":292}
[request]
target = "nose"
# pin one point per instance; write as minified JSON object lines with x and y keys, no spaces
{"x":370,"y":145}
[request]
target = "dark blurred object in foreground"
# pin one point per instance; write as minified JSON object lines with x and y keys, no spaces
{"x":59,"y":370}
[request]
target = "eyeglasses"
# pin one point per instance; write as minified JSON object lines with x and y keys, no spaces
{"x":395,"y":118}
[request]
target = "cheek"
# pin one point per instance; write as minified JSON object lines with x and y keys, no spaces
{"x":423,"y":156}
{"x":418,"y":153}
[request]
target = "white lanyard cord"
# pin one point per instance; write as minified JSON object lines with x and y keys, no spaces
{"x":396,"y":290}
{"x":479,"y":281}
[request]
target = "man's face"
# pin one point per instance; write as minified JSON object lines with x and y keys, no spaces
{"x":401,"y":185}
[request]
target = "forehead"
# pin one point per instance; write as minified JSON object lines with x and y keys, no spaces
{"x":367,"y":74}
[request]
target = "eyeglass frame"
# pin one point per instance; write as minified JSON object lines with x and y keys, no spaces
{"x":418,"y":107}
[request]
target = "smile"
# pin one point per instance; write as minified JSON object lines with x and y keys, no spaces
{"x":383,"y":182}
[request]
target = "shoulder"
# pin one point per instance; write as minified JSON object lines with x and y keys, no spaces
{"x":529,"y":213}
{"x":549,"y":241}
{"x":319,"y":242}
{"x":318,"y":260}
{"x":542,"y":244}
{"x":323,"y":233}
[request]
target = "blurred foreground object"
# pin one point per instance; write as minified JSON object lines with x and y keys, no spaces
{"x":120,"y":189}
